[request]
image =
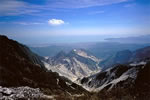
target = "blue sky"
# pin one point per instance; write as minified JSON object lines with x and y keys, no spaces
{"x":51,"y":21}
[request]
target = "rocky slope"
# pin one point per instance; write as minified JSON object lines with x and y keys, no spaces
{"x":111,"y":77}
{"x":22,"y":92}
{"x":76,"y":64}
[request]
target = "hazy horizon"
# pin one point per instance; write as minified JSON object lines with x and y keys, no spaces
{"x":69,"y":21}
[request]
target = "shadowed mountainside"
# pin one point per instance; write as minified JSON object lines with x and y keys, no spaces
{"x":20,"y":67}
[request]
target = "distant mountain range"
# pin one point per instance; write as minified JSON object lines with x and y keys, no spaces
{"x":126,"y":56}
{"x":102,"y":50}
{"x":73,"y":65}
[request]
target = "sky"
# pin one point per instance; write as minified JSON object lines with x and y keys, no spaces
{"x":67,"y":21}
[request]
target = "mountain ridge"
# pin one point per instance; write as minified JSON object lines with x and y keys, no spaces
{"x":73,"y":65}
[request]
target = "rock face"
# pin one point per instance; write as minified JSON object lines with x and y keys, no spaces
{"x":22,"y":93}
{"x":20,"y":67}
{"x":76,"y":64}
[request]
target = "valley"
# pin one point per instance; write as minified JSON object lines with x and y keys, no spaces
{"x":73,"y":75}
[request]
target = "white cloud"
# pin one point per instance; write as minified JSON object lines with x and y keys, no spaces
{"x":56,"y":22}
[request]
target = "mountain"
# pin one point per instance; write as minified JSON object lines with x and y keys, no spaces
{"x":24,"y":76}
{"x":22,"y":72}
{"x":127,"y":81}
{"x":140,"y":54}
{"x":126,"y":56}
{"x":121,"y":57}
{"x":73,"y":65}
